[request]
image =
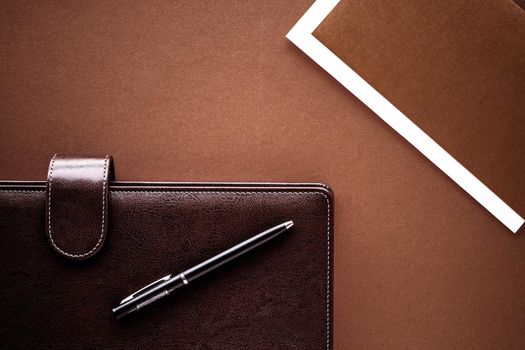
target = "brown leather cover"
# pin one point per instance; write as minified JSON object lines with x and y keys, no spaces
{"x":277,"y":297}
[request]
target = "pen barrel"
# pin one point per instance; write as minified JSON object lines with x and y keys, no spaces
{"x":233,"y":253}
{"x":149,"y":296}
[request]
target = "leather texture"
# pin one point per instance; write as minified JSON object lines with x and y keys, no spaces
{"x":277,"y":297}
{"x":77,"y":204}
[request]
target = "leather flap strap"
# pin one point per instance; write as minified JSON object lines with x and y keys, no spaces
{"x":77,"y":204}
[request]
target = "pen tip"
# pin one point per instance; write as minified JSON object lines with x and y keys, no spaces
{"x":288,"y":224}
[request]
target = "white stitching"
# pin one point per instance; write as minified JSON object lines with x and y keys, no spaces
{"x":23,"y":191}
{"x":327,"y":274}
{"x":52,"y":164}
{"x":328,"y":259}
{"x":104,"y":184}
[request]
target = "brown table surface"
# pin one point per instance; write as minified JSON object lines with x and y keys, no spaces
{"x":212,"y":91}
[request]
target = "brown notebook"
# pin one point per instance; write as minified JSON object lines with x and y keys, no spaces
{"x":455,"y":68}
{"x":67,"y":261}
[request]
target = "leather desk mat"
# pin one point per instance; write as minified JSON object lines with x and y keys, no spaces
{"x":209,"y":91}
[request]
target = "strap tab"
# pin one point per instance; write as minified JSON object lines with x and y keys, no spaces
{"x":77,"y":204}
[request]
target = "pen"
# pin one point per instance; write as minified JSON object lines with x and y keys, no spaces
{"x":167,"y":284}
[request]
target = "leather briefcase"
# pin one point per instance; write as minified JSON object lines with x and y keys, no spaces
{"x":74,"y":246}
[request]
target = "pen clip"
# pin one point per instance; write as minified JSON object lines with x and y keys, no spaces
{"x":151,"y":285}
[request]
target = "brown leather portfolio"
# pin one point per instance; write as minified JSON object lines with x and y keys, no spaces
{"x":74,"y":246}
